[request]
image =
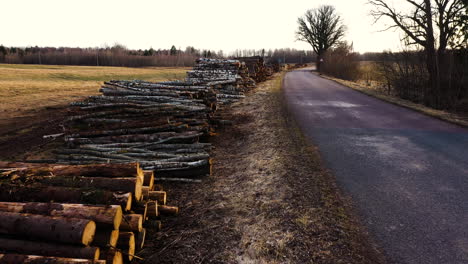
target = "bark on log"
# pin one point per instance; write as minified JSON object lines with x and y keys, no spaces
{"x":132,"y":222}
{"x":140,"y":208}
{"x":148,"y":178}
{"x":159,"y":196}
{"x":110,"y":215}
{"x":168,"y":210}
{"x":50,"y":228}
{"x":41,"y":193}
{"x":32,"y":259}
{"x":12,"y":245}
{"x":132,"y":185}
{"x":112,"y":256}
{"x":105,"y":237}
{"x":153,"y":210}
{"x":94,"y":170}
{"x":127,"y":244}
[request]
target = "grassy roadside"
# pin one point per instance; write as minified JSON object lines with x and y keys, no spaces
{"x":269,"y":200}
{"x":439,"y":114}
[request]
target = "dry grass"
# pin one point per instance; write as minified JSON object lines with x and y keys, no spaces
{"x":30,"y":88}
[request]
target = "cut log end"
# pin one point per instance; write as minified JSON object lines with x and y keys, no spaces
{"x":88,"y":233}
{"x":118,"y":218}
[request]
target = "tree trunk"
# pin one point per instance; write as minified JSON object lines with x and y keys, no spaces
{"x":105,"y":238}
{"x":110,"y":215}
{"x":31,"y":259}
{"x":49,"y":228}
{"x":127,"y":244}
{"x":132,"y":222}
{"x":41,"y":193}
{"x":47,"y":249}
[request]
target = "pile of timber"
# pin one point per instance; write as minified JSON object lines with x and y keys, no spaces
{"x":162,"y":126}
{"x":256,"y":67}
{"x":229,"y":78}
{"x":77,"y":213}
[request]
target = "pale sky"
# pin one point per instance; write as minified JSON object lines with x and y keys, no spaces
{"x":207,"y":24}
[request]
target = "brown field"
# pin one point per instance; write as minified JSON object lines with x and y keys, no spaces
{"x":34,"y":98}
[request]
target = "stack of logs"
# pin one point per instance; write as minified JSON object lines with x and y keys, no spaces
{"x":256,"y":67}
{"x":77,"y":213}
{"x":159,"y":125}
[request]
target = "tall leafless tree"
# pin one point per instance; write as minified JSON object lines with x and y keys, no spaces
{"x":322,"y":28}
{"x":435,"y":26}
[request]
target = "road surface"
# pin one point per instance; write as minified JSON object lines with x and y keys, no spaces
{"x":407,"y":173}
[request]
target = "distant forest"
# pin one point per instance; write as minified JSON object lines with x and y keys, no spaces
{"x":119,"y":55}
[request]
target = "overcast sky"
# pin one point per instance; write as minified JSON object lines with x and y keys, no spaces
{"x":207,"y":24}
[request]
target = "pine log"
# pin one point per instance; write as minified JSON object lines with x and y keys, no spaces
{"x":140,"y":208}
{"x":145,"y":192}
{"x":12,"y":245}
{"x":50,"y":228}
{"x":32,"y":259}
{"x":113,"y":184}
{"x":112,"y":256}
{"x":132,"y":222}
{"x":110,"y":215}
{"x":153,"y":210}
{"x":94,"y":170}
{"x":127,"y":244}
{"x":140,"y":241}
{"x":148,"y":178}
{"x":41,"y":193}
{"x":159,"y":196}
{"x":168,"y":210}
{"x":106,"y":237}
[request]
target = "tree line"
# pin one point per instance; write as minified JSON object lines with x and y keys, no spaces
{"x":119,"y":55}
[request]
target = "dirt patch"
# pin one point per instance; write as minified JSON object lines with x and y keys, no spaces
{"x":21,"y":138}
{"x":269,"y":200}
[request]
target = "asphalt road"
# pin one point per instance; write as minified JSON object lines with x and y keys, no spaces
{"x":406,"y":173}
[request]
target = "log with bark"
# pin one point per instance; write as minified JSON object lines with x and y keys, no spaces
{"x":132,"y":222}
{"x":49,"y":228}
{"x":159,"y":196}
{"x":126,"y":243}
{"x":112,"y":256}
{"x":140,"y":239}
{"x":94,"y":170}
{"x":42,"y":193}
{"x":132,"y":185}
{"x":106,"y":237}
{"x":110,"y":215}
{"x":27,"y":247}
{"x":32,"y":259}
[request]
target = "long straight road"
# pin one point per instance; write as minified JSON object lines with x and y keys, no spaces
{"x":406,"y":173}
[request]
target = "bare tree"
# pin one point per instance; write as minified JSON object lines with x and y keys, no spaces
{"x":432,"y":24}
{"x":322,"y":28}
